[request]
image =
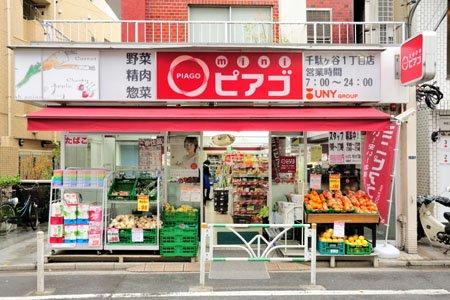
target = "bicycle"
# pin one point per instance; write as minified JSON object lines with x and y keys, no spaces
{"x":12,"y":212}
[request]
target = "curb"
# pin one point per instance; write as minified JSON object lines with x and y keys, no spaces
{"x":20,"y":267}
{"x":111,"y":266}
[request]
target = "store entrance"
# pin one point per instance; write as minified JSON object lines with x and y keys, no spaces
{"x":236,"y":176}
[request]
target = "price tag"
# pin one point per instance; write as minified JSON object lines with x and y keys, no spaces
{"x":335,"y":182}
{"x":315,"y":181}
{"x":143,"y":203}
{"x":137,"y":235}
{"x":339,"y":229}
{"x":113,"y":235}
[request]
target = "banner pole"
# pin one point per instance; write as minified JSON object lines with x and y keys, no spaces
{"x":394,"y":180}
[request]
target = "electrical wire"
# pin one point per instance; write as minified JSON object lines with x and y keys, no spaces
{"x":430,"y":94}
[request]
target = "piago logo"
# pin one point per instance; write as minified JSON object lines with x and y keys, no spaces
{"x":318,"y":94}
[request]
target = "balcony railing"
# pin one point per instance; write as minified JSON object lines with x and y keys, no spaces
{"x":211,"y":32}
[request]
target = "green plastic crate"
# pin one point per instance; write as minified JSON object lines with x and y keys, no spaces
{"x":127,"y":185}
{"x":152,"y":182}
{"x":177,"y":217}
{"x":358,"y":250}
{"x":179,"y":235}
{"x":333,"y":248}
{"x":149,"y":236}
{"x":182,"y":250}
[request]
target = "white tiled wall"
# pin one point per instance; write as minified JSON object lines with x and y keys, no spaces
{"x":426,"y":17}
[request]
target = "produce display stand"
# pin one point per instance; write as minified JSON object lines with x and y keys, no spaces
{"x":56,"y":194}
{"x":130,"y":205}
{"x":356,"y":220}
{"x":352,"y":220}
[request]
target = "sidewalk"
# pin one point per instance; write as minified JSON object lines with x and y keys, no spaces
{"x":18,"y":253}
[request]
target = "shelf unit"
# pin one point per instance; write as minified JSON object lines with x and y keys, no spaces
{"x":56,"y":195}
{"x":112,"y":205}
{"x":250,"y":188}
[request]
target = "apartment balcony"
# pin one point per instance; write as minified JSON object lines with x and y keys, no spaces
{"x":224,"y":33}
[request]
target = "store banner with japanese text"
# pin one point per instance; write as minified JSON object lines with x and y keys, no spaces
{"x":132,"y":75}
{"x":127,"y":75}
{"x":80,"y":141}
{"x":345,"y":147}
{"x":377,"y":166}
{"x":341,"y":76}
{"x":229,"y":76}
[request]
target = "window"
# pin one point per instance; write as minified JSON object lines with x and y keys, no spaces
{"x":386,"y":14}
{"x":30,"y":10}
{"x":230,"y":24}
{"x":322,"y":31}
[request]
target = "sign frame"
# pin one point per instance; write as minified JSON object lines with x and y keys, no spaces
{"x":425,"y":43}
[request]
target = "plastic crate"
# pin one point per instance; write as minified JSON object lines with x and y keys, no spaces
{"x":333,"y":248}
{"x":178,"y":217}
{"x":179,"y":235}
{"x":145,"y":182}
{"x":126,"y":185}
{"x":125,"y":236}
{"x":182,"y":250}
{"x":358,"y":250}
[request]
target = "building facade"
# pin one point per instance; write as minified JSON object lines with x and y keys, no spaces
{"x":213,"y":25}
{"x":433,"y":171}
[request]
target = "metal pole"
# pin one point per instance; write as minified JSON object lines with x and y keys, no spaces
{"x":204,"y":227}
{"x":313,"y":252}
{"x":40,"y":262}
{"x":393,"y":180}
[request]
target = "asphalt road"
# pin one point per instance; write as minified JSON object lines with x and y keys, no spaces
{"x":332,"y":284}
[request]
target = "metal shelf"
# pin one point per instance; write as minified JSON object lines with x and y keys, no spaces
{"x":76,"y":188}
{"x":74,"y":246}
{"x":130,"y":247}
{"x":128,"y":201}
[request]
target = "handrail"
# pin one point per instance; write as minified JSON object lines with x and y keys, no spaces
{"x":222,"y":32}
{"x":260,"y":254}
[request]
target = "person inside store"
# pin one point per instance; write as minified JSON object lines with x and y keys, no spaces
{"x":206,"y":182}
{"x":190,"y":158}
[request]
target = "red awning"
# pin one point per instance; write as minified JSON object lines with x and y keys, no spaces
{"x":187,"y":119}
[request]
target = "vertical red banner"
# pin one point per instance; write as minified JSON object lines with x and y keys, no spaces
{"x":377,"y":165}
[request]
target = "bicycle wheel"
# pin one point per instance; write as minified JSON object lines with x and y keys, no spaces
{"x":33,"y":218}
{"x":7,"y":215}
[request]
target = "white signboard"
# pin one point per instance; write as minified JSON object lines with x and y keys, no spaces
{"x":28,"y":74}
{"x":70,"y":74}
{"x":345,"y":147}
{"x":444,"y":143}
{"x":341,"y":76}
{"x":127,"y":75}
{"x":444,"y":123}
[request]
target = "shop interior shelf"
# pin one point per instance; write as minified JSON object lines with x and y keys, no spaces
{"x":76,"y":188}
{"x":124,"y":185}
{"x":127,"y":201}
{"x":139,"y":246}
{"x":344,"y":217}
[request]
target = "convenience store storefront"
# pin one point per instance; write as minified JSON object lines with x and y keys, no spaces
{"x":280,"y":93}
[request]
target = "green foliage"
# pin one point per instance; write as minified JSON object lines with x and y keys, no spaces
{"x":264,"y":212}
{"x":6,"y":181}
{"x":57,"y":149}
